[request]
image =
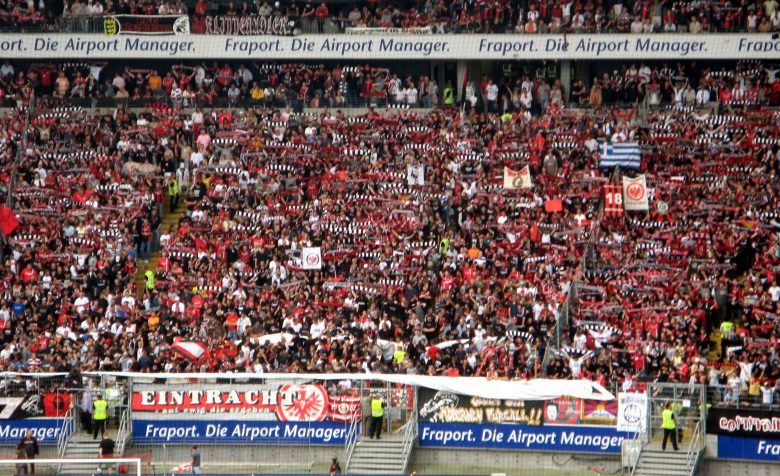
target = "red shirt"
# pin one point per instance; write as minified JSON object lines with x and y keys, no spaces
{"x":164,"y":264}
{"x":29,"y":274}
{"x":231,"y":322}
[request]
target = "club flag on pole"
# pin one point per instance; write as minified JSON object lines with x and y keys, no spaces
{"x":190,"y":350}
{"x":627,"y":155}
{"x":8,"y":220}
{"x":514,"y":180}
{"x":635,"y":193}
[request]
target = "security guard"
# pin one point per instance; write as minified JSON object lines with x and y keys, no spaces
{"x":377,"y":413}
{"x":150,"y":280}
{"x":669,"y":426}
{"x":448,"y":95}
{"x":99,"y":416}
{"x":173,"y":192}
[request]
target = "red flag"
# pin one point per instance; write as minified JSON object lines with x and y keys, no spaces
{"x":8,"y":221}
{"x":56,"y":404}
{"x":551,"y":206}
{"x":190,"y":350}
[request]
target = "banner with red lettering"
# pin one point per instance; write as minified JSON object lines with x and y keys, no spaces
{"x":305,"y":403}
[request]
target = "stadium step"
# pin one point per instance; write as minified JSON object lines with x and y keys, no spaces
{"x":81,"y":446}
{"x":168,"y":220}
{"x":385,"y":456}
{"x":663,"y":463}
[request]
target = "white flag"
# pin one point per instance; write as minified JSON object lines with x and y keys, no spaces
{"x":635,"y":193}
{"x":311,"y":258}
{"x":516,"y":180}
{"x":415,"y":175}
{"x":632,"y":412}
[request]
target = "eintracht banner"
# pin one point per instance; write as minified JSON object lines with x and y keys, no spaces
{"x":632,"y":412}
{"x":311,"y":258}
{"x":516,"y":180}
{"x":635,"y":193}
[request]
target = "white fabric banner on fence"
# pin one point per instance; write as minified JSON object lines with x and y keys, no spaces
{"x":535,"y":389}
{"x":632,"y":412}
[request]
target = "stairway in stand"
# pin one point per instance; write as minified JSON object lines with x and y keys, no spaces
{"x":80,"y":446}
{"x":653,"y":461}
{"x":663,"y":463}
{"x":384,"y":456}
{"x":168,"y":220}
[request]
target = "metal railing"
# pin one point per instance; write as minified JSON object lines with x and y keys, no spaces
{"x":341,"y":24}
{"x":350,"y":440}
{"x":410,"y":435}
{"x":67,"y":428}
{"x":123,"y":434}
{"x":694,"y":448}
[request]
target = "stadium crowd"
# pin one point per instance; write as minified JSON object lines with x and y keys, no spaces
{"x":499,"y":16}
{"x":430,"y":262}
{"x":300,"y":86}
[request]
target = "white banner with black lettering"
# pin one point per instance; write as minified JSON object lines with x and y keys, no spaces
{"x":669,"y":47}
{"x":632,"y":412}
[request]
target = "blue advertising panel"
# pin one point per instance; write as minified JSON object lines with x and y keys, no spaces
{"x":46,"y":430}
{"x":243,"y":431}
{"x":582,"y":439}
{"x":754,"y":449}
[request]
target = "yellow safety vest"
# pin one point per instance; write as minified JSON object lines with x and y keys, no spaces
{"x":444,"y":246}
{"x":173,"y":187}
{"x":449,"y":98}
{"x":100,"y":409}
{"x":668,"y":420}
{"x":725,"y":328}
{"x":376,"y":408}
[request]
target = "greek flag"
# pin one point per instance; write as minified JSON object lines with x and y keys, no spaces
{"x":626,"y":155}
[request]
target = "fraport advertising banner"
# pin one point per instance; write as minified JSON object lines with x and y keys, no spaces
{"x":45,"y":430}
{"x":580,"y":439}
{"x":450,"y":420}
{"x":753,"y":449}
{"x":669,"y":47}
{"x":238,"y":431}
{"x":258,"y":414}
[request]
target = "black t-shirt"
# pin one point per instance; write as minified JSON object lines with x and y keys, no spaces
{"x":107,"y":446}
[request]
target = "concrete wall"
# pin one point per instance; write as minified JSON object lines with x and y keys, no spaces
{"x":458,"y":461}
{"x":244,"y":458}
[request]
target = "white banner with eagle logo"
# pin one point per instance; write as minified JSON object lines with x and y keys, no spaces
{"x":635,"y":193}
{"x":515,"y":180}
{"x":311,"y":258}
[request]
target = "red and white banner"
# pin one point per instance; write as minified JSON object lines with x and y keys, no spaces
{"x":635,"y":193}
{"x":613,"y":201}
{"x":306,"y":403}
{"x":190,"y":350}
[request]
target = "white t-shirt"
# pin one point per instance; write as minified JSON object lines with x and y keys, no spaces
{"x":411,"y":96}
{"x":774,"y":291}
{"x":492,"y":92}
